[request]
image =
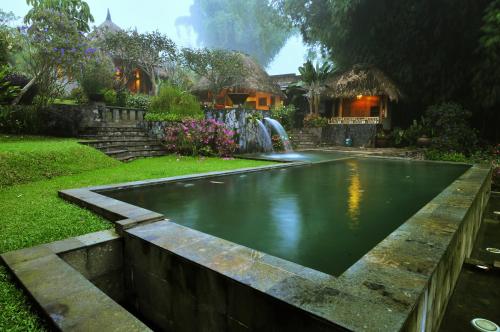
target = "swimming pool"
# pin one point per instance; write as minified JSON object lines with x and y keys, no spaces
{"x":324,"y":216}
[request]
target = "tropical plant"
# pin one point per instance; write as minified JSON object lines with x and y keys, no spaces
{"x":148,"y":51}
{"x":313,"y":79}
{"x":221,"y":68}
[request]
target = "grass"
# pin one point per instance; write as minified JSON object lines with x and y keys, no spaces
{"x":31,"y":213}
{"x":31,"y":158}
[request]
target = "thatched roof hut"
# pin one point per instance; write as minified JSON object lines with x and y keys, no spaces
{"x":256,"y":79}
{"x":363,"y":80}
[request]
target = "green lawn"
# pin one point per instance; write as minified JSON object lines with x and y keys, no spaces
{"x":31,"y":213}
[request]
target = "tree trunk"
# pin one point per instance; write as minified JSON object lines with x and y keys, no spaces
{"x":23,"y":91}
{"x":154,"y":85}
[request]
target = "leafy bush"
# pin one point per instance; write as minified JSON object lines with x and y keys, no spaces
{"x":452,"y":131}
{"x":175,"y":101}
{"x":109,"y":96}
{"x":8,"y":91}
{"x":96,"y":77}
{"x":312,"y":120}
{"x":200,"y":137}
{"x":18,"y":119}
{"x":139,"y":101}
{"x":79,"y":96}
{"x":284,"y":114}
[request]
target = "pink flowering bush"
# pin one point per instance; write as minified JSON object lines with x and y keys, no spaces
{"x":200,"y":137}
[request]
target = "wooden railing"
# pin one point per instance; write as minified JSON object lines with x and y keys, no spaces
{"x":354,"y":120}
{"x":120,"y":114}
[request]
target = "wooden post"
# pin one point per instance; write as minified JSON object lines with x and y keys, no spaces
{"x":341,"y":108}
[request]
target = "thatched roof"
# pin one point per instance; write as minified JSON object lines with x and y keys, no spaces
{"x":361,"y":80}
{"x":255,"y":79}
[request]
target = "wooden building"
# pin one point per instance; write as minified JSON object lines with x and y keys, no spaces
{"x":262,"y":92}
{"x":361,"y":95}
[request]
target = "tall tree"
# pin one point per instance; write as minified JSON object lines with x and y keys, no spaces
{"x":77,"y":11}
{"x":221,"y":68}
{"x":148,"y":51}
{"x":52,"y":48}
{"x":252,"y":27}
{"x":428,"y":47}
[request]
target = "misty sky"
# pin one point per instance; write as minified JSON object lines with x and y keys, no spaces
{"x":148,"y":15}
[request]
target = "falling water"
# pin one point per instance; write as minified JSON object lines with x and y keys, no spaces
{"x":264,"y":138}
{"x":278,"y":128}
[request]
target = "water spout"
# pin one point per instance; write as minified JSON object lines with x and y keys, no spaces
{"x":264,"y":139}
{"x":278,"y":128}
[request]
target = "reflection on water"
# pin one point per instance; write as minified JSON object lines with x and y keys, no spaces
{"x":355,"y":195}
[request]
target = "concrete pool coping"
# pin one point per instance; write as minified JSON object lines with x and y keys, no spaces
{"x":389,"y":288}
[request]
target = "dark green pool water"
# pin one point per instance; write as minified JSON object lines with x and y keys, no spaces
{"x":324,"y":216}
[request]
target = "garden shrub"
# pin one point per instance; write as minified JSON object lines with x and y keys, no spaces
{"x":96,"y":77}
{"x":109,"y":96}
{"x":19,"y":119}
{"x":433,"y":154}
{"x":277,"y":143}
{"x":312,"y":120}
{"x":452,"y":132}
{"x":172,"y":100}
{"x":8,"y":91}
{"x":139,"y":101}
{"x":285,"y":115}
{"x":169,"y":117}
{"x":78,"y":95}
{"x":200,"y":137}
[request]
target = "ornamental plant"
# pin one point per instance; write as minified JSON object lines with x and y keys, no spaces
{"x":200,"y":137}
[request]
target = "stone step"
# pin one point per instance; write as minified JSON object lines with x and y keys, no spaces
{"x":132,"y":148}
{"x":141,"y":154}
{"x":141,"y":136}
{"x":117,"y":143}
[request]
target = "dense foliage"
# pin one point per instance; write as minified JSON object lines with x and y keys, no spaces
{"x":200,"y":137}
{"x":432,"y":49}
{"x":139,"y":101}
{"x":96,"y":77}
{"x":253,"y":27}
{"x":451,"y":129}
{"x":284,"y":114}
{"x":171,"y":100}
{"x":221,"y":68}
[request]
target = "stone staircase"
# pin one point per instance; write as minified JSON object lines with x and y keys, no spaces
{"x":303,"y":139}
{"x":124,"y":142}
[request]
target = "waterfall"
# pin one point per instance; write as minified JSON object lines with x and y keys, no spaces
{"x":278,"y":128}
{"x":264,"y":138}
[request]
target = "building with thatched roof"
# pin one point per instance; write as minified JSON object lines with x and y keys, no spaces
{"x":361,"y":95}
{"x":139,"y":81}
{"x":262,"y":92}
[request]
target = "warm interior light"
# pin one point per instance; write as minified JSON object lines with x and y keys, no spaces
{"x":359,"y":96}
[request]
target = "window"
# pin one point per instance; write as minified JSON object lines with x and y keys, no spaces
{"x":273,"y":100}
{"x":263,"y":101}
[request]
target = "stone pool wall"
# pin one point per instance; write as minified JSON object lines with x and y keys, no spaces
{"x":462,"y":217}
{"x":180,"y":279}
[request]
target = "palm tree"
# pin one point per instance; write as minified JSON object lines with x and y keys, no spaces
{"x":313,"y":80}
